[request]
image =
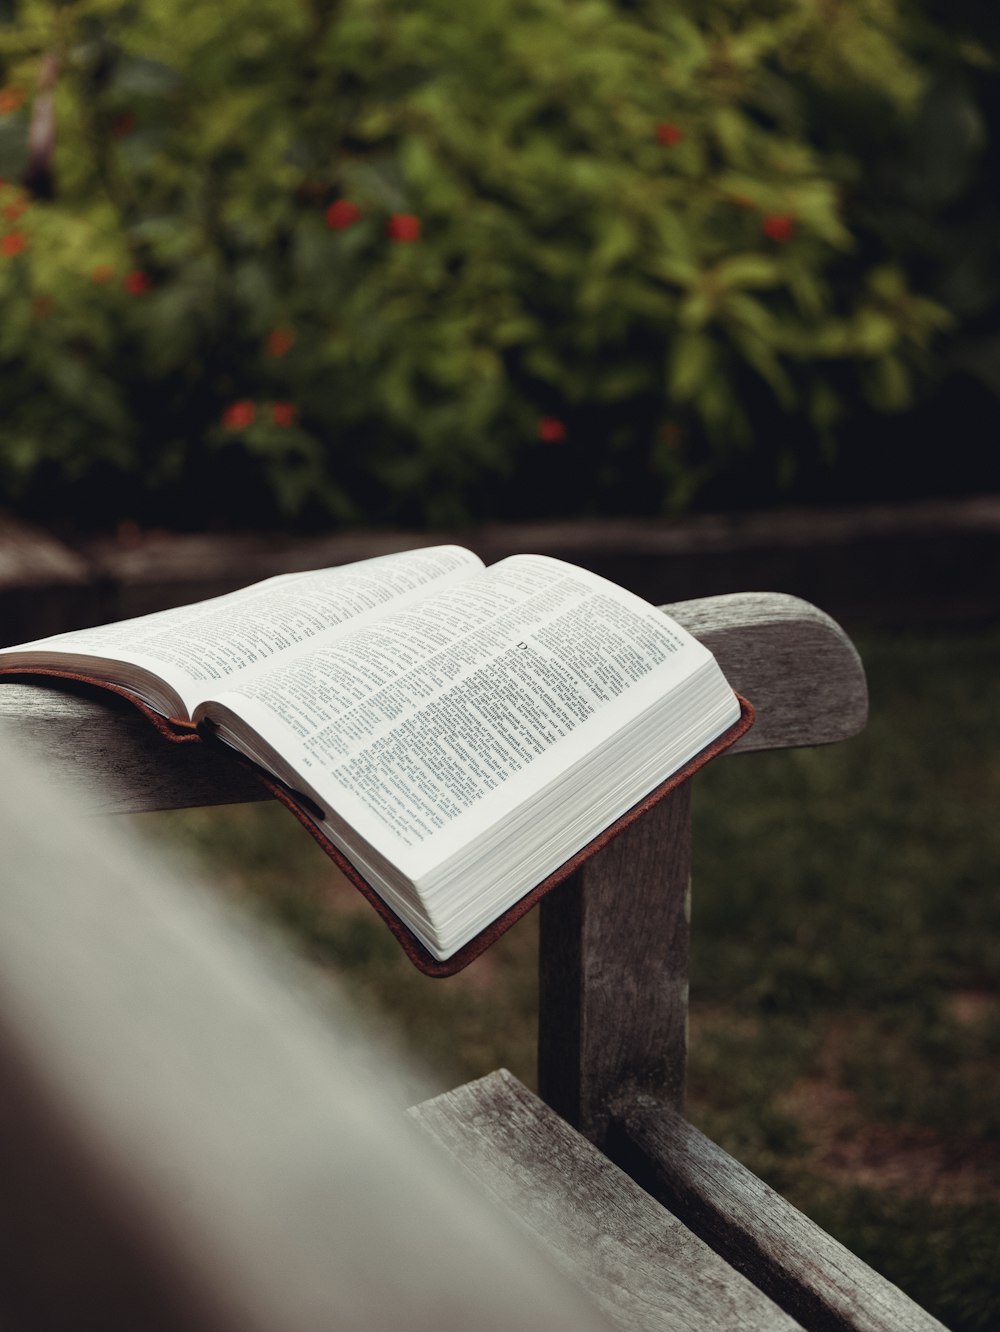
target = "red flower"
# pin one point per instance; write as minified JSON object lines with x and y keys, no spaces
{"x":551,"y":430}
{"x":669,"y":134}
{"x":11,"y":100}
{"x":238,"y":415}
{"x":778,"y":227}
{"x":136,"y":282}
{"x":403,"y":227}
{"x":284,"y":413}
{"x":102,"y":273}
{"x":280,"y":341}
{"x":13,"y":243}
{"x":341,"y":214}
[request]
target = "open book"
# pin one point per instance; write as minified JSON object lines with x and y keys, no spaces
{"x":457,"y":733}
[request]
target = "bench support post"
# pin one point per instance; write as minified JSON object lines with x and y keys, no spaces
{"x":613,"y":988}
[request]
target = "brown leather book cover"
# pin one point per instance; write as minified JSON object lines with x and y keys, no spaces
{"x":178,"y":731}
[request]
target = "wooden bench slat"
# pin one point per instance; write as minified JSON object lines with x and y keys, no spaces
{"x":793,"y":662}
{"x":613,"y":970}
{"x":642,"y":1268}
{"x":796,"y":665}
{"x":109,"y":757}
{"x":800,"y":1266}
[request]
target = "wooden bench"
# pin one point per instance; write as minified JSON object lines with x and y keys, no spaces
{"x":182,"y":1146}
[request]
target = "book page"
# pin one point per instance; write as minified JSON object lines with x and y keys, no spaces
{"x":196,"y":647}
{"x":418,"y":723}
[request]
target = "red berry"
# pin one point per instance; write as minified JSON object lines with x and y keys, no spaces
{"x":136,"y":282}
{"x":778,"y":227}
{"x":403,"y":227}
{"x":11,"y":100}
{"x":669,"y":134}
{"x":551,"y":430}
{"x":284,"y":413}
{"x":13,"y":243}
{"x":238,"y":415}
{"x":341,"y":214}
{"x":280,"y":341}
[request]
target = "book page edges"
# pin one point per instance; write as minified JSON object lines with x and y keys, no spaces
{"x":424,"y":960}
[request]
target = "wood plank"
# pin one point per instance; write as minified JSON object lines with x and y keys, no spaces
{"x":109,"y":757}
{"x":194,"y":1137}
{"x":802,"y":1268}
{"x":793,"y":662}
{"x":613,"y":971}
{"x":796,"y":665}
{"x":639,"y":1265}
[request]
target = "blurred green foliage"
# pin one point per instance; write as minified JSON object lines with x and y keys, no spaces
{"x":407,"y":260}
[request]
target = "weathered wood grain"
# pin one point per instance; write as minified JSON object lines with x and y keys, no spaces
{"x":613,"y":970}
{"x":194,"y":1139}
{"x":793,"y":662}
{"x":109,"y":756}
{"x":639,"y":1265}
{"x":796,"y":665}
{"x":811,"y":1275}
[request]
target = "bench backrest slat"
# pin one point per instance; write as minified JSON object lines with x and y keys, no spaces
{"x":794,"y":663}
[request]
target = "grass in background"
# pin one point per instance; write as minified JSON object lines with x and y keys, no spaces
{"x":845,"y":968}
{"x":845,"y":977}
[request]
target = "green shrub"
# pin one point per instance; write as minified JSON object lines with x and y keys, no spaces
{"x":388,"y":260}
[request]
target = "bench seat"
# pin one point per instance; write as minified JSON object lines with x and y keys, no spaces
{"x":637,"y":1262}
{"x":641,"y":1264}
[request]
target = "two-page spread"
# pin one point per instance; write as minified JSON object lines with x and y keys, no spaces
{"x":458,"y":732}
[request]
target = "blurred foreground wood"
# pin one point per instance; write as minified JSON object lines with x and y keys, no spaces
{"x":191,"y":1138}
{"x":187,"y":1139}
